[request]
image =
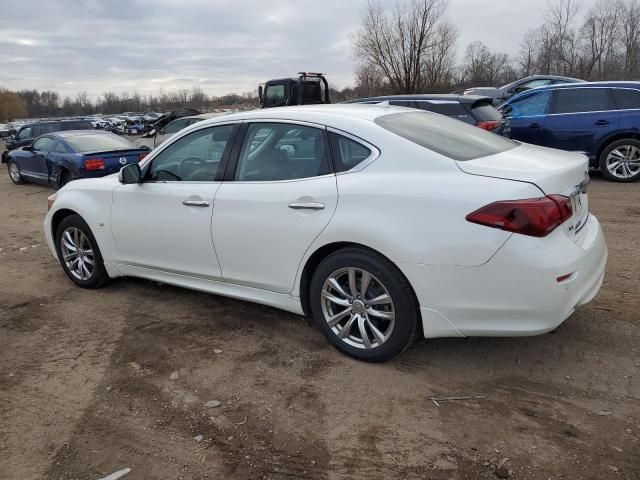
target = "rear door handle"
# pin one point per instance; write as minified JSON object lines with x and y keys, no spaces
{"x":195,"y":203}
{"x":534,"y":125}
{"x":602,"y":122}
{"x":306,"y":206}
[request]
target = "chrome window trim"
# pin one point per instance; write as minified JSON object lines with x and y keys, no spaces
{"x":596,"y":111}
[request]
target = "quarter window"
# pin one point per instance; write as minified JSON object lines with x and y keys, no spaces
{"x":279,"y":151}
{"x":581,"y":100}
{"x":626,"y":99}
{"x":347,"y":153}
{"x":194,"y":157}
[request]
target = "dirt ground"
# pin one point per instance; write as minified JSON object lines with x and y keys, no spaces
{"x":92,"y":382}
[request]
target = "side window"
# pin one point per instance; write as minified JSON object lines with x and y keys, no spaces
{"x":579,"y":100}
{"x":60,"y":148}
{"x":274,"y":95}
{"x":281,"y":151}
{"x":347,"y":153}
{"x":626,"y":99}
{"x":43,"y":144}
{"x":193,"y":158}
{"x":25,"y":133}
{"x":535,"y":104}
{"x":175,"y":126}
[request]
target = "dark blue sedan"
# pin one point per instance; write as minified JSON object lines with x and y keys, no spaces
{"x":57,"y":158}
{"x":601,"y":119}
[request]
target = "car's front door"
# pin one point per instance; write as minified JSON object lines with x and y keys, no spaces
{"x":279,"y":195}
{"x":525,"y":117}
{"x":580,"y":118}
{"x":36,"y":163}
{"x":164,"y":223}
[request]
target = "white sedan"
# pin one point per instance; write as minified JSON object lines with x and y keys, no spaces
{"x":381,"y":223}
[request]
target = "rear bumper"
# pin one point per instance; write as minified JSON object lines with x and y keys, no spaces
{"x":516,"y":293}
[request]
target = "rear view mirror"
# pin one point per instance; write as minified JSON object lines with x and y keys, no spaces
{"x":130,"y":174}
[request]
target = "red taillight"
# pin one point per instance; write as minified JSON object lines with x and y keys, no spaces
{"x":488,"y":125}
{"x":142,"y":155}
{"x":536,"y":217}
{"x":94,"y":164}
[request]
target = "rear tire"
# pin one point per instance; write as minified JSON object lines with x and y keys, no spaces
{"x":364,"y":305}
{"x":14,"y":173}
{"x":79,"y":254}
{"x":620,"y":161}
{"x":64,"y":178}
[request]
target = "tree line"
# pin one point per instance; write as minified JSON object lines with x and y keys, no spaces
{"x":412,"y":48}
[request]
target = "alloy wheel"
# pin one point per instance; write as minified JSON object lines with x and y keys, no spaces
{"x":358,"y":308}
{"x":77,"y":253}
{"x":14,"y":172}
{"x":624,"y":161}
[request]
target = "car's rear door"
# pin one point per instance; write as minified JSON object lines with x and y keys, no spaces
{"x":525,"y":117}
{"x":164,"y":223}
{"x":279,"y":194}
{"x":580,"y":117}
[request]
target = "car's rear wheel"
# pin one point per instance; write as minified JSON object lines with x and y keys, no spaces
{"x":14,"y":173}
{"x":364,"y":305}
{"x":79,"y":254}
{"x":64,"y":178}
{"x":620,"y":161}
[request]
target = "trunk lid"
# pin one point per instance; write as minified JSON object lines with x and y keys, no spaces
{"x":552,"y":171}
{"x":115,"y":160}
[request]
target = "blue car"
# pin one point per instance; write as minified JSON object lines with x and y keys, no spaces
{"x":601,"y":119}
{"x":57,"y":158}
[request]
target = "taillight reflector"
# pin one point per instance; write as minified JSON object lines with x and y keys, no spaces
{"x":94,"y":164}
{"x":488,"y":125}
{"x":536,"y":217}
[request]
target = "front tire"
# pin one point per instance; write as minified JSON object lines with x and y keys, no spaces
{"x":79,"y":254}
{"x":620,"y":161}
{"x":14,"y":173}
{"x":364,"y":305}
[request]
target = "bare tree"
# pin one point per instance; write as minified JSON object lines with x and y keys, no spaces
{"x":482,"y":66}
{"x":599,"y":35}
{"x":398,"y":43}
{"x":630,"y":37}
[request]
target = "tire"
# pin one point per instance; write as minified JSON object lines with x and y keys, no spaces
{"x":64,"y":178}
{"x":14,"y":173}
{"x":76,"y":231}
{"x":625,"y":154}
{"x":393,"y":327}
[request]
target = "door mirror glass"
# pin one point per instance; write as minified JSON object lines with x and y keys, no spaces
{"x":130,"y":174}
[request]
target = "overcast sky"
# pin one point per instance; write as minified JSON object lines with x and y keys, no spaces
{"x":222,"y":45}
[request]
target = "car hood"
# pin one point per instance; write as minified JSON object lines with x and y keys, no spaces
{"x":551,"y":170}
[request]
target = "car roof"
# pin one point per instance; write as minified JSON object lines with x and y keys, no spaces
{"x":449,"y":97}
{"x":604,"y":84}
{"x":78,"y":133}
{"x":553,"y":77}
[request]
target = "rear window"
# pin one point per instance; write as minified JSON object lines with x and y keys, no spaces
{"x":626,"y":99}
{"x":98,"y":143}
{"x":444,"y":135}
{"x":485,"y":112}
{"x":580,"y":100}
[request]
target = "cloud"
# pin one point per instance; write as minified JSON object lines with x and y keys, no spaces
{"x":222,"y":46}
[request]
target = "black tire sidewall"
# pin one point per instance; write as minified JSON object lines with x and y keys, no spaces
{"x":99,"y":276}
{"x":602,"y":162}
{"x":407,"y":316}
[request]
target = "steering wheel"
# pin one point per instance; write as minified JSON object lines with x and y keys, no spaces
{"x":190,"y":165}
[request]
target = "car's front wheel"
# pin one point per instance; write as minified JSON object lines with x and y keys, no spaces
{"x":14,"y":173}
{"x":364,"y":305}
{"x":620,"y":161}
{"x":79,"y":254}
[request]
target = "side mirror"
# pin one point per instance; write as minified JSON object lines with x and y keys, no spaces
{"x":130,"y":174}
{"x":260,"y":94}
{"x":28,"y":148}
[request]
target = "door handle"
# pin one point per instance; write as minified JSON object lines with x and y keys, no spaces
{"x":534,"y":125}
{"x":306,"y":206}
{"x":195,"y":203}
{"x":602,"y":122}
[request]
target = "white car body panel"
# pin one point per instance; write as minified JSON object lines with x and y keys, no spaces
{"x":409,"y":204}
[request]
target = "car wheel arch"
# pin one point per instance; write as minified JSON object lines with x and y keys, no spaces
{"x":60,"y":215}
{"x":314,"y":260}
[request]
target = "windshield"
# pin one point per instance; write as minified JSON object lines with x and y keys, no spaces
{"x":98,"y":143}
{"x":446,"y":136}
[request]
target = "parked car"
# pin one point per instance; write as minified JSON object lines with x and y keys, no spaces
{"x":5,"y":130}
{"x":441,"y":229}
{"x":29,"y":132}
{"x":174,"y":127}
{"x":601,"y":119}
{"x":505,"y":92}
{"x":472,"y":109}
{"x":57,"y":158}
